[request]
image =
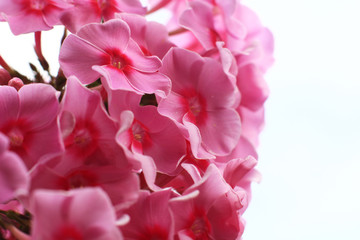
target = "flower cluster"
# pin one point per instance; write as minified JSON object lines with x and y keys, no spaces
{"x":148,"y":131}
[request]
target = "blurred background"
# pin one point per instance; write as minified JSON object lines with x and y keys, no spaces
{"x":309,"y":152}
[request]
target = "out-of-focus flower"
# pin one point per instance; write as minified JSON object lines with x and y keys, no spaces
{"x":84,"y":213}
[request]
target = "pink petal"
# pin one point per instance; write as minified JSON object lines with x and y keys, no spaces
{"x":77,"y":57}
{"x":221,"y":132}
{"x":27,"y":22}
{"x":9,"y":105}
{"x":14,"y":180}
{"x":149,"y":82}
{"x":147,"y":64}
{"x":113,"y":78}
{"x":38,"y":105}
{"x":115,"y":34}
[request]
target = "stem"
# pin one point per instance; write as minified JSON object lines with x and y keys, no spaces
{"x":177,"y":31}
{"x":158,"y":6}
{"x":44,"y":64}
{"x":5,"y":65}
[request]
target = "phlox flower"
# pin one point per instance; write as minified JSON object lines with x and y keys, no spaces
{"x":94,"y":11}
{"x":29,"y":120}
{"x":80,"y":214}
{"x":150,"y":217}
{"x":87,"y":130}
{"x":14,"y":179}
{"x":120,"y":183}
{"x":154,"y":139}
{"x":207,"y":209}
{"x":201,"y":103}
{"x":114,"y":56}
{"x":26,"y":16}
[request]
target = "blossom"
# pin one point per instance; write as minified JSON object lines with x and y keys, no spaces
{"x":115,"y":56}
{"x":29,"y":120}
{"x":14,"y":179}
{"x":87,"y":130}
{"x":201,"y":103}
{"x":77,"y":214}
{"x":207,"y":210}
{"x":32,"y":15}
{"x":150,"y":217}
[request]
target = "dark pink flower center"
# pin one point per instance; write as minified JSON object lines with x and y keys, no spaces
{"x":140,"y":134}
{"x":83,"y":139}
{"x":37,"y":4}
{"x":118,"y":60}
{"x":81,"y":178}
{"x":196,"y":105}
{"x":16,"y":138}
{"x":200,"y":226}
{"x":154,"y":233}
{"x":68,"y":232}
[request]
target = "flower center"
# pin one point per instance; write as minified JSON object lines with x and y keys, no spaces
{"x":81,"y":178}
{"x":200,"y":228}
{"x":82,"y":137}
{"x":16,"y":137}
{"x":38,"y":4}
{"x":68,"y":233}
{"x":138,"y":131}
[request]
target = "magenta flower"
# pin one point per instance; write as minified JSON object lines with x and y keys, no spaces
{"x":93,"y":11}
{"x":78,"y":214}
{"x":201,"y":103}
{"x":26,"y":16}
{"x":29,"y":120}
{"x":115,"y":56}
{"x":14,"y":180}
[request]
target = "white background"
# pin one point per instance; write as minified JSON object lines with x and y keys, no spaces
{"x":310,"y":147}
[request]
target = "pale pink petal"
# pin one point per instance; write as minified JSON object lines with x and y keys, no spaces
{"x":199,"y":19}
{"x":113,"y":78}
{"x":9,"y":105}
{"x":14,"y":179}
{"x":77,"y":57}
{"x":27,"y":22}
{"x":221,"y":132}
{"x":146,"y":64}
{"x":156,"y":82}
{"x":149,"y":217}
{"x":115,"y":34}
{"x":132,"y":6}
{"x":173,"y":106}
{"x":215,"y":86}
{"x":38,"y":105}
{"x":253,"y":88}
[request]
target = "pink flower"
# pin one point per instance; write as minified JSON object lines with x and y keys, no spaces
{"x":207,"y":210}
{"x":120,"y":183}
{"x":78,"y":214}
{"x":201,"y":103}
{"x":26,"y":16}
{"x":93,"y":11}
{"x":146,"y":131}
{"x":115,"y":56}
{"x":152,"y":37}
{"x":14,"y":180}
{"x":29,"y":120}
{"x":150,"y":217}
{"x":87,"y":130}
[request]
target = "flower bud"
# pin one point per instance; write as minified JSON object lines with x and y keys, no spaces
{"x":17,"y":83}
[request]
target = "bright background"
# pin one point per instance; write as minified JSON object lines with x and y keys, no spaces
{"x":310,"y":147}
